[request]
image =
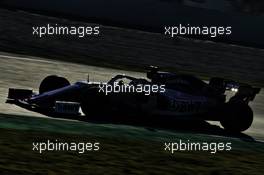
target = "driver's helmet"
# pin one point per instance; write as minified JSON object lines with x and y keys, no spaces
{"x":120,"y":83}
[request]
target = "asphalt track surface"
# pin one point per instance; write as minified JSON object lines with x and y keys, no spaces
{"x":27,"y":72}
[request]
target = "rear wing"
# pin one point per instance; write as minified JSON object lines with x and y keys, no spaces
{"x":242,"y":90}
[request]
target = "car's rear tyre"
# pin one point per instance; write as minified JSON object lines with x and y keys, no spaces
{"x":237,"y":117}
{"x":52,"y":82}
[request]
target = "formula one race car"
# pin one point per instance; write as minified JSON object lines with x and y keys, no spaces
{"x":165,"y":94}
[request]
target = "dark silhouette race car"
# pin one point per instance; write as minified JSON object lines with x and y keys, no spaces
{"x":163,"y":94}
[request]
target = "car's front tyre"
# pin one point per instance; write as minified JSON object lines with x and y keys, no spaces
{"x":52,"y":82}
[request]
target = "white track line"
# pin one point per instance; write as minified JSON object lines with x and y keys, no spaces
{"x":27,"y":59}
